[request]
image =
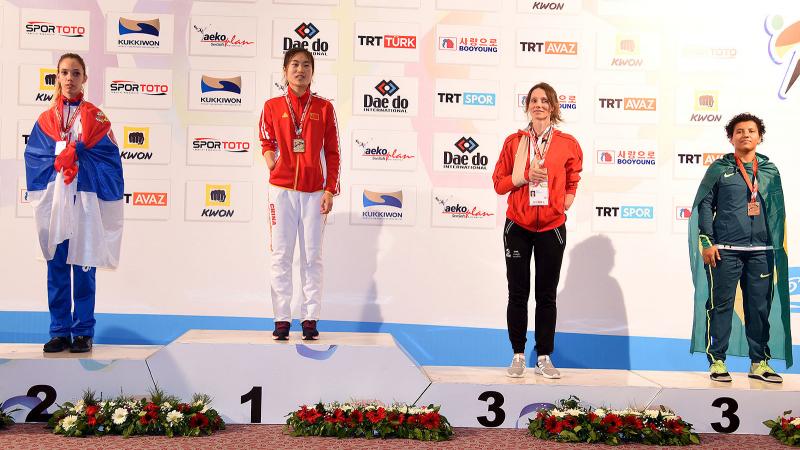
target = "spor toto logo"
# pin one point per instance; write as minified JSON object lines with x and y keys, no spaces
{"x":133,"y":26}
{"x":210,"y":144}
{"x":133,"y":87}
{"x":50,"y":29}
{"x":626,"y":212}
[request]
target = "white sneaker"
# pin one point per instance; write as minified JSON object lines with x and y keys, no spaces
{"x":545,"y":368}
{"x":517,"y":368}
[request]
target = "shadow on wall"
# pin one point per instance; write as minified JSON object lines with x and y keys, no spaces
{"x":591,"y":301}
{"x":350,"y":255}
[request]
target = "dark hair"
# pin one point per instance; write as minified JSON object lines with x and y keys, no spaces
{"x":745,"y":117}
{"x":552,"y":98}
{"x":74,"y":56}
{"x":294,"y":51}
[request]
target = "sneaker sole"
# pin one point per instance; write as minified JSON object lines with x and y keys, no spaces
{"x":310,"y":338}
{"x":280,"y":338}
{"x":549,"y":377}
{"x":766,"y":380}
{"x":80,"y":351}
{"x":511,"y":375}
{"x":723,"y":379}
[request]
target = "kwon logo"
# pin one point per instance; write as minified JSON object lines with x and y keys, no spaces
{"x":47,"y":79}
{"x":547,"y":6}
{"x":627,"y":157}
{"x":466,"y":157}
{"x":629,"y":103}
{"x":307,"y":31}
{"x":784,"y":49}
{"x":133,"y":87}
{"x":209,"y":144}
{"x":468,"y":98}
{"x":388,"y":41}
{"x":683,"y":213}
{"x":38,"y":28}
{"x":382,"y":205}
{"x":375,"y":152}
{"x":210,"y":87}
{"x":706,"y":103}
{"x":469,"y":44}
{"x":136,"y":143}
{"x":626,"y":51}
{"x":693,"y":159}
{"x":217,"y":201}
{"x":551,"y":47}
{"x":456,"y":210}
{"x":384,"y":104}
{"x":626,"y":212}
{"x":217,"y":39}
{"x":146,"y":198}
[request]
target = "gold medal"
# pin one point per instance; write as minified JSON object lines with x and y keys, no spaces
{"x":298,"y":145}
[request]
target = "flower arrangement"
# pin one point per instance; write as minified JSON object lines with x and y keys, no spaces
{"x":5,"y":418}
{"x":570,"y":422}
{"x":785,"y":429}
{"x":370,"y":420}
{"x":162,"y":414}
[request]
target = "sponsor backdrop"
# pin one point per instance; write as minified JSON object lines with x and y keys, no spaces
{"x":425,"y":93}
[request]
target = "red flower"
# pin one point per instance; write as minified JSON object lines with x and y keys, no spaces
{"x":183,"y":407}
{"x":633,"y":421}
{"x":312,"y":415}
{"x":376,"y":415}
{"x":591,"y":417}
{"x":569,"y":422}
{"x":143,"y":420}
{"x":151,"y":407}
{"x":411,"y":420}
{"x":553,"y":425}
{"x":91,"y":410}
{"x":612,"y":422}
{"x":675,"y":426}
{"x":652,"y":426}
{"x":91,"y":421}
{"x":198,"y":420}
{"x":356,"y":417}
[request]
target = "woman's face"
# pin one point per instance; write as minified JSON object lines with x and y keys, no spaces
{"x":299,"y":71}
{"x":71,"y":76}
{"x":539,"y":107}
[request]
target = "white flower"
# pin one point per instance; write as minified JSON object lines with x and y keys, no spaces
{"x":651,"y":413}
{"x":559,"y":414}
{"x":205,"y":408}
{"x":68,"y":422}
{"x":600,"y":412}
{"x":796,"y":421}
{"x":574,"y":412}
{"x":79,"y":405}
{"x":174,"y":417}
{"x":103,"y":404}
{"x":198,"y":403}
{"x":166,"y":406}
{"x":119,"y":416}
{"x":347,"y":408}
{"x":132,"y":404}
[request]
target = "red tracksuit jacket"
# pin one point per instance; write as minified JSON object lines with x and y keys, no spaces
{"x":564,"y":162}
{"x":302,"y":171}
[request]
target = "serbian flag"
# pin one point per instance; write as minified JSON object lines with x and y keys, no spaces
{"x":87,"y":211}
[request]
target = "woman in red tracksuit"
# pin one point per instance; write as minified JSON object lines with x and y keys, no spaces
{"x":300,"y":143}
{"x":539,"y":168}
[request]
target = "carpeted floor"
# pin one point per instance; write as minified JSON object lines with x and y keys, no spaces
{"x":250,"y":437}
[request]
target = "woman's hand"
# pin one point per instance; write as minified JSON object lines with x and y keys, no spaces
{"x":326,"y":204}
{"x":568,"y":199}
{"x":536,"y":173}
{"x":269,"y":156}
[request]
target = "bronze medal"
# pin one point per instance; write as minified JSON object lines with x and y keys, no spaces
{"x":753,"y":208}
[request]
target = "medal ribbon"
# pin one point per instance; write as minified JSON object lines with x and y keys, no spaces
{"x":540,"y":154}
{"x":298,"y":128}
{"x":66,"y":125}
{"x":753,"y":186}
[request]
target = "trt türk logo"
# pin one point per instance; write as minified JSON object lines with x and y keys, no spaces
{"x":784,"y":49}
{"x":306,"y":30}
{"x":387,"y":87}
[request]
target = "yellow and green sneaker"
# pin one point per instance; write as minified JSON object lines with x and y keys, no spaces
{"x":719,"y":371}
{"x":762,"y":371}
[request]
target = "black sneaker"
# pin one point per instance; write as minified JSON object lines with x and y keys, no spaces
{"x":57,"y":344}
{"x":281,"y":332}
{"x":310,"y":332}
{"x":81,"y":344}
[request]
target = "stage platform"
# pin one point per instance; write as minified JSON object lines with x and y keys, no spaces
{"x":254,"y":379}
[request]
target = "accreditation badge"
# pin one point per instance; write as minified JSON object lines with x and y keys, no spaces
{"x":538,"y":193}
{"x":298,"y":145}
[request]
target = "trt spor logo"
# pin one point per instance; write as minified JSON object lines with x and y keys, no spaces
{"x":784,"y":48}
{"x":131,"y":26}
{"x":306,"y":30}
{"x":387,"y":87}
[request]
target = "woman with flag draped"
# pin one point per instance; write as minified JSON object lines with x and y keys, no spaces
{"x":75,"y":184}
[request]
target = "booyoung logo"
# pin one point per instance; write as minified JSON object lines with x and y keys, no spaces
{"x":467,"y":45}
{"x":385,"y":96}
{"x":320,"y":37}
{"x":629,"y":157}
{"x":683,"y":213}
{"x":626,"y":158}
{"x":784,"y":50}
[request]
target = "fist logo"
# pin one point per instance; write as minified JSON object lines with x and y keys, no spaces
{"x":627,"y":45}
{"x":218,"y":195}
{"x":136,"y":138}
{"x":706,"y":100}
{"x":50,"y":79}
